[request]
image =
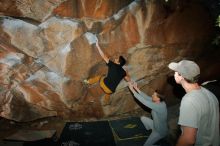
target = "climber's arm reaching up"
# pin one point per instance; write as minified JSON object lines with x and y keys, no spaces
{"x":102,"y":53}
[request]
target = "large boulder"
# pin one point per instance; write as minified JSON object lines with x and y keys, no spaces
{"x":43,"y":64}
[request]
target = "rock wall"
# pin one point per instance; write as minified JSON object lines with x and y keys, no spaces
{"x":45,"y":53}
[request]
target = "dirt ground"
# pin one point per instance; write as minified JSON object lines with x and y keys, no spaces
{"x":8,"y":127}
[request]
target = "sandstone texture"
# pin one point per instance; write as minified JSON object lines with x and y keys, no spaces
{"x":45,"y":53}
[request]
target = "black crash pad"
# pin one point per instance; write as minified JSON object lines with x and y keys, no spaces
{"x":87,"y":134}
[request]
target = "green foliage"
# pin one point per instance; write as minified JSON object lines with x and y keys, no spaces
{"x":218,"y":21}
{"x":216,"y":41}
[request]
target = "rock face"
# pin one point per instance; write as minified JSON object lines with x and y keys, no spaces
{"x":43,"y":64}
{"x":33,"y":9}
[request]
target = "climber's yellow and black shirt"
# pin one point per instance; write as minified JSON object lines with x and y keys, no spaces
{"x":115,"y":74}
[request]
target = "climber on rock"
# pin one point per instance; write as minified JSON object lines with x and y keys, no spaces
{"x":115,"y":74}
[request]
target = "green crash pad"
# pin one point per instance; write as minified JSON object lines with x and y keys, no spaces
{"x":129,"y":128}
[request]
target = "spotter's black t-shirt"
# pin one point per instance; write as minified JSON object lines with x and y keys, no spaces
{"x":115,"y":74}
